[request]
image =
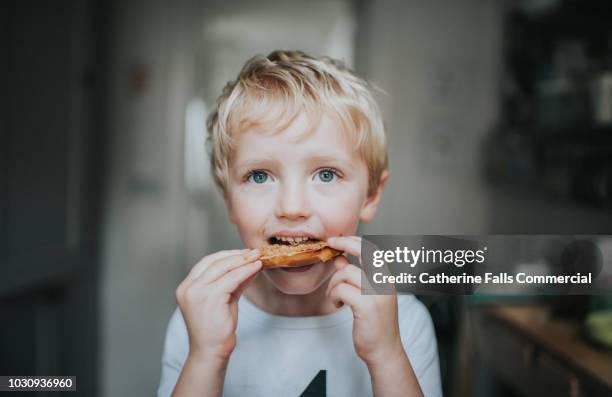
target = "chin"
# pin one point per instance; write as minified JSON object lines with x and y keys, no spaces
{"x":302,"y":283}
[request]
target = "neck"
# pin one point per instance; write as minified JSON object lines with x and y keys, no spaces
{"x":268,"y":298}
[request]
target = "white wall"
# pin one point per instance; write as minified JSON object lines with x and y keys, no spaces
{"x":143,"y":255}
{"x":439,"y":63}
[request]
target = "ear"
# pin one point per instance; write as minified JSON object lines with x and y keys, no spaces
{"x":370,"y":205}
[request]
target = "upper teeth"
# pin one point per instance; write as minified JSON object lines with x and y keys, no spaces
{"x":292,"y":239}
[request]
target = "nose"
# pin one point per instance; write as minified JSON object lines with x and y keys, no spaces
{"x":292,"y":202}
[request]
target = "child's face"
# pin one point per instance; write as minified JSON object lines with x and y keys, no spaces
{"x":290,"y":184}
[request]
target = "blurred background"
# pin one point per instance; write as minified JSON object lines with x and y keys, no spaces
{"x":499,"y":117}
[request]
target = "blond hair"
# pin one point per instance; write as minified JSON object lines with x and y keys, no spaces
{"x":298,"y":83}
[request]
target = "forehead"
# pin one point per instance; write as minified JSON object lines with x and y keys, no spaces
{"x":300,"y":140}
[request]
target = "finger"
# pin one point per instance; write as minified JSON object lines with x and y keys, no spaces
{"x":198,"y":268}
{"x":340,"y":262}
{"x":223,"y":265}
{"x":349,"y":244}
{"x":351,"y":274}
{"x":230,"y":281}
{"x":346,"y":293}
{"x":245,"y":284}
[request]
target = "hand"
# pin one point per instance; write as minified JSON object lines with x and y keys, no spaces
{"x":208,"y":299}
{"x":375,"y":328}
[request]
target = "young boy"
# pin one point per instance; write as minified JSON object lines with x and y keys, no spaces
{"x":298,"y":150}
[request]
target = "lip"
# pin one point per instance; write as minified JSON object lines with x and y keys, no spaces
{"x":299,"y":269}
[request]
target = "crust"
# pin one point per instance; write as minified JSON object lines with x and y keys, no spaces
{"x":297,"y":256}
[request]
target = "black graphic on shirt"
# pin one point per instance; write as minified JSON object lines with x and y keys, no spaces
{"x":316,"y":387}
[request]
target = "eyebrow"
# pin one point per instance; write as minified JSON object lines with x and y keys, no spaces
{"x":327,"y":160}
{"x":257,"y":163}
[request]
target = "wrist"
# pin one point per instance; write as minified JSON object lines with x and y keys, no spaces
{"x":216,"y":352}
{"x":392,"y":354}
{"x":201,"y":373}
{"x":209,"y":357}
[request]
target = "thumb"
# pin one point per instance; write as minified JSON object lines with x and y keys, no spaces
{"x":245,"y":284}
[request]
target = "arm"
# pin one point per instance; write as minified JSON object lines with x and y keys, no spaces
{"x":394,"y":336}
{"x":418,"y":347}
{"x":202,"y":336}
{"x":185,"y":371}
{"x":201,"y":374}
{"x":394,"y":376}
{"x":419,"y":342}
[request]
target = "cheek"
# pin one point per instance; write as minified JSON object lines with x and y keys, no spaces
{"x":339,"y":213}
{"x":249,"y":211}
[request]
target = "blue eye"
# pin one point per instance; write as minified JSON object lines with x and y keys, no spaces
{"x":258,"y":177}
{"x":326,"y":175}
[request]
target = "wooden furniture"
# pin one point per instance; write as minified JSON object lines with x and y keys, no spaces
{"x":537,"y":354}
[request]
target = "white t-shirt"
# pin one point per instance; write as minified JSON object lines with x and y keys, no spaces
{"x":305,"y":356}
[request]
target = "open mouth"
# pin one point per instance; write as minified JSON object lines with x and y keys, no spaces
{"x":282,"y":240}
